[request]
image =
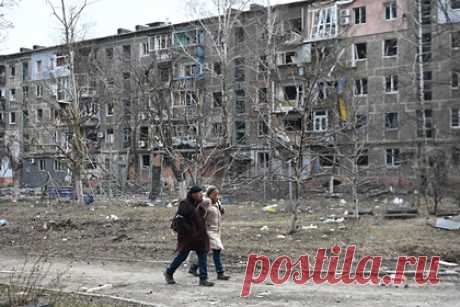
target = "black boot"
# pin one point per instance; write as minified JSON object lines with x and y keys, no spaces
{"x":206,"y":283}
{"x":169,"y":278}
{"x":193,"y":270}
{"x":222,"y":276}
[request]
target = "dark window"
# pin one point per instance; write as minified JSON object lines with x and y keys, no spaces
{"x":391,"y":84}
{"x":217,"y":99}
{"x":424,"y":123}
{"x":361,"y":120}
{"x":391,"y":10}
{"x":455,"y":118}
{"x":217,"y":68}
{"x":240,"y":103}
{"x":290,"y":92}
{"x":262,"y":95}
{"x":263,"y":126}
{"x":240,"y":132}
{"x":360,"y":15}
{"x":239,"y":70}
{"x":145,"y":161}
{"x":455,"y":80}
{"x":392,"y":158}
{"x":455,"y":40}
{"x":164,"y":75}
{"x":455,"y":4}
{"x":363,"y":158}
{"x":360,"y":51}
{"x":239,"y":34}
{"x":360,"y":88}
{"x":392,"y":120}
{"x":144,"y":134}
{"x":390,"y":47}
{"x":293,"y":124}
{"x":109,"y":53}
{"x":126,"y":51}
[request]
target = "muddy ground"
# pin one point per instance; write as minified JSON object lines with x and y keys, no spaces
{"x":139,"y":237}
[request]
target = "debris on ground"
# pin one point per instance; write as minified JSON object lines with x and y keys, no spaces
{"x":309,"y":227}
{"x":446,"y":223}
{"x":361,"y":212}
{"x":331,"y":219}
{"x":3,"y":222}
{"x":270,"y":209}
{"x":281,"y":237}
{"x":120,"y":238}
{"x":112,"y":218}
{"x":264,"y":228}
{"x":343,"y":202}
{"x":99,"y":288}
{"x":401,"y":212}
{"x":61,"y":225}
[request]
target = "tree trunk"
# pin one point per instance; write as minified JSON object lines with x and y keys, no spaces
{"x":77,"y":183}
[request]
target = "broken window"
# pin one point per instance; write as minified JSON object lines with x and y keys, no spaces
{"x":360,"y":15}
{"x":127,"y":51}
{"x":39,"y":115}
{"x":217,"y":129}
{"x":392,"y":158}
{"x":391,"y":11}
{"x":59,"y":165}
{"x":239,"y":34}
{"x":164,"y":74}
{"x":25,"y":92}
{"x":109,"y":53}
{"x":425,"y":123}
{"x":320,"y":121}
{"x":240,"y":132}
{"x":263,"y":159}
{"x":145,"y":161}
{"x":218,"y":68}
{"x":455,"y":4}
{"x":12,"y":70}
{"x":262,"y":95}
{"x":455,"y":118}
{"x":144,"y":134}
{"x":295,"y":25}
{"x":293,"y":123}
{"x":217,"y":99}
{"x":454,"y":80}
{"x":390,"y":47}
{"x":391,"y":84}
{"x":262,"y":126}
{"x":392,"y":121}
{"x":323,"y":23}
{"x":360,"y":51}
{"x":361,"y":121}
{"x":363,"y":158}
{"x":290,"y":92}
{"x":286,"y":58}
{"x":360,"y":87}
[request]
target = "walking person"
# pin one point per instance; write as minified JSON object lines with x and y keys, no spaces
{"x":213,"y":216}
{"x":190,"y":225}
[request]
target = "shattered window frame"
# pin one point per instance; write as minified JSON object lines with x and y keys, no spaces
{"x":323,"y":23}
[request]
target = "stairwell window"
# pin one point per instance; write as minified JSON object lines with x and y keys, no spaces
{"x":454,"y":80}
{"x":455,"y":118}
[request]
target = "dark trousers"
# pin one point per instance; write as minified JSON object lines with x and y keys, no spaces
{"x":217,"y":257}
{"x":182,"y":255}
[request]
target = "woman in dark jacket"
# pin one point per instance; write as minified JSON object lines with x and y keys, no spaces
{"x":191,"y":236}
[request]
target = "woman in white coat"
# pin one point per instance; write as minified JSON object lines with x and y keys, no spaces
{"x":213,"y":216}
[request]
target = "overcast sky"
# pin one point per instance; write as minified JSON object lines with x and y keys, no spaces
{"x":34,"y":25}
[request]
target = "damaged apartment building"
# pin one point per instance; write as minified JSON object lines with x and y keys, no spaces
{"x":389,"y":66}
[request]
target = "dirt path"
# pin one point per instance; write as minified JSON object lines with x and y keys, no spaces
{"x":144,"y":282}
